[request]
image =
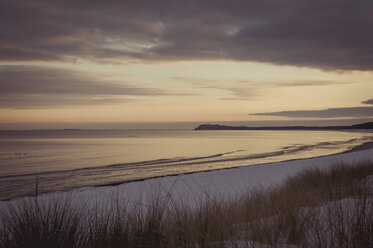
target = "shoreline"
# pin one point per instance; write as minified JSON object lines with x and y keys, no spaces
{"x":363,"y":147}
{"x":190,"y":188}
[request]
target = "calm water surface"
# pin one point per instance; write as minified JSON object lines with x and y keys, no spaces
{"x":64,"y":159}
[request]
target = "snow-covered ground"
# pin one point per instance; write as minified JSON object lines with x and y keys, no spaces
{"x":225,"y":182}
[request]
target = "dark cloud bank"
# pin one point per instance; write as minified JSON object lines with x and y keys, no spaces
{"x":327,"y":34}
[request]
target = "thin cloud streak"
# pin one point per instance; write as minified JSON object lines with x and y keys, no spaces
{"x":42,"y":101}
{"x":38,"y":87}
{"x":296,"y":83}
{"x":248,"y":90}
{"x":324,"y":113}
{"x":326,"y":34}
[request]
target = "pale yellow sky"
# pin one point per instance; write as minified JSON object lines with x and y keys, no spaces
{"x":196,"y":91}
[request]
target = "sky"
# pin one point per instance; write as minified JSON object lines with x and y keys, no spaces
{"x":254,"y":61}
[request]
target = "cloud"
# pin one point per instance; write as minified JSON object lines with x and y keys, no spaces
{"x":240,"y":91}
{"x":36,"y":87}
{"x":35,"y":101}
{"x":327,"y":34}
{"x":248,"y":90}
{"x":325,"y":113}
{"x":369,"y":101}
{"x":308,"y":83}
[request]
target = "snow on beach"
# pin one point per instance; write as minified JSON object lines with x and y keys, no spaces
{"x":225,"y":182}
{"x":263,"y":223}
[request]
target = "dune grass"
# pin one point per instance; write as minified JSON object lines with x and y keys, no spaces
{"x":316,"y":208}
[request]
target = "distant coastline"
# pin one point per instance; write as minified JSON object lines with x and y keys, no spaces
{"x":367,"y":125}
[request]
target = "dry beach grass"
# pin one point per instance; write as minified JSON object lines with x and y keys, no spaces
{"x":315,"y":208}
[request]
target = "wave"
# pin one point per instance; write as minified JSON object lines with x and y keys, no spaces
{"x":185,"y":161}
{"x":131,"y":164}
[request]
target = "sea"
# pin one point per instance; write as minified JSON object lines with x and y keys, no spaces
{"x":39,"y":161}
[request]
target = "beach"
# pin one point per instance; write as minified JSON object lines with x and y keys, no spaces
{"x":223,"y":182}
{"x":282,"y":204}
